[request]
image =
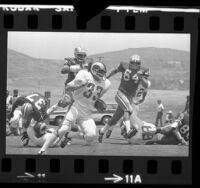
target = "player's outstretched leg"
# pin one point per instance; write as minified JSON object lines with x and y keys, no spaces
{"x":52,"y":138}
{"x":27,"y":115}
{"x":111,"y":123}
{"x":25,"y":139}
{"x":65,"y":141}
{"x":109,"y":132}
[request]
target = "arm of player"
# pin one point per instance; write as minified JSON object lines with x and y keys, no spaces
{"x":52,"y":109}
{"x":73,"y":68}
{"x":79,"y":81}
{"x":74,"y":85}
{"x":108,"y":84}
{"x":112,"y":73}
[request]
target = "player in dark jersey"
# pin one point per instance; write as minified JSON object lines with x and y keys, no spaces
{"x":174,"y":133}
{"x":33,"y":107}
{"x":71,"y":68}
{"x":132,"y":73}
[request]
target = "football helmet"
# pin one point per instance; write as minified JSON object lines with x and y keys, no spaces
{"x":146,"y":74}
{"x":80,"y":54}
{"x":98,"y":70}
{"x":40,"y":129}
{"x":135,"y":62}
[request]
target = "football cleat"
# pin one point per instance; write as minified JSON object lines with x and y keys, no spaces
{"x":131,"y":133}
{"x":24,"y":139}
{"x":65,"y":141}
{"x":108,"y":133}
{"x":100,"y":138}
{"x":41,"y":152}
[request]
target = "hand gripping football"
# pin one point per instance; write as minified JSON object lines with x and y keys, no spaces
{"x":100,"y":105}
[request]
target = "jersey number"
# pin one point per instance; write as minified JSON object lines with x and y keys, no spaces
{"x":39,"y":102}
{"x":127,"y":76}
{"x":184,"y":129}
{"x":89,"y":92}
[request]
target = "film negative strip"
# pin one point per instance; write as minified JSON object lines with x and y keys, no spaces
{"x":56,"y":67}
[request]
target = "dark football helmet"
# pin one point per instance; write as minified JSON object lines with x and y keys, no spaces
{"x":135,"y":62}
{"x":80,"y":54}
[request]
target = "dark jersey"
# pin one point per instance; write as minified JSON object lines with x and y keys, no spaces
{"x":129,"y":80}
{"x":183,"y":127}
{"x":39,"y":103}
{"x":71,"y":75}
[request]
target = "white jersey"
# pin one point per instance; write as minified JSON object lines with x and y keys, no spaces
{"x":86,"y":96}
{"x":41,"y":140}
{"x":16,"y":120}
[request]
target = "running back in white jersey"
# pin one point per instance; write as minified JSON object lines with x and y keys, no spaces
{"x":86,"y":96}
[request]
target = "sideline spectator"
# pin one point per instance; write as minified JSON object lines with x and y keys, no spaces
{"x":187,"y":104}
{"x":160,"y":109}
{"x":169,"y":117}
{"x":15,"y":95}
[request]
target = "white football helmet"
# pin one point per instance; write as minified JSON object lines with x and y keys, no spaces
{"x":98,"y":70}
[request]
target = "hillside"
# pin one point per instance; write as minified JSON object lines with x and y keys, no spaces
{"x":29,"y":74}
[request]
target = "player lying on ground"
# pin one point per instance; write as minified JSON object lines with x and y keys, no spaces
{"x":38,"y":133}
{"x":33,"y":106}
{"x":132,"y":74}
{"x":174,"y":133}
{"x":88,"y":86}
{"x":14,"y":126}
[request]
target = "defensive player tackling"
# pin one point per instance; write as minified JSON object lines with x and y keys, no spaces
{"x":132,"y":73}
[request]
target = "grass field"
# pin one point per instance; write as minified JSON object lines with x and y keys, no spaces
{"x":115,"y":145}
{"x":172,"y":100}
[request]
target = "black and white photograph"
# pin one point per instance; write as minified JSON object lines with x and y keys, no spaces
{"x":99,"y":94}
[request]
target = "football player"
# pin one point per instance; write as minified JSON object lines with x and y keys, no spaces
{"x":33,"y":106}
{"x":88,"y":86}
{"x":38,"y":133}
{"x":15,"y":123}
{"x":174,"y":133}
{"x":139,"y":98}
{"x":131,"y":75}
{"x":71,"y":67}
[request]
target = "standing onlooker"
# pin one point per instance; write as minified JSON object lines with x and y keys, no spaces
{"x":187,"y":104}
{"x":9,"y":101}
{"x":15,"y":95}
{"x":159,"y":116}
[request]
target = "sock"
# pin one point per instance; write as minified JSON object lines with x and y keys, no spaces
{"x":50,"y":140}
{"x":105,"y":128}
{"x":128,"y":125}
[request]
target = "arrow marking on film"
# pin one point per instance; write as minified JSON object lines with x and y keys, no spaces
{"x":115,"y":179}
{"x":27,"y":176}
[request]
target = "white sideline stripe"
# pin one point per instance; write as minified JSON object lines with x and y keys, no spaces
{"x":117,"y":8}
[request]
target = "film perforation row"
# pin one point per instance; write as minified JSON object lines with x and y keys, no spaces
{"x":103,"y":166}
{"x":105,"y":22}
